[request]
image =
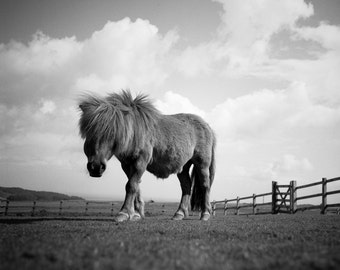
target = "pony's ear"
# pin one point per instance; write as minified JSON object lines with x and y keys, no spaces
{"x":88,"y":102}
{"x":85,"y":106}
{"x":81,"y":107}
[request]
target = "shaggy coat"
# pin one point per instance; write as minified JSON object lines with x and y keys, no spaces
{"x":142,"y":139}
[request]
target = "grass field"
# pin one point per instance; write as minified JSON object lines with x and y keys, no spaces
{"x":301,"y":241}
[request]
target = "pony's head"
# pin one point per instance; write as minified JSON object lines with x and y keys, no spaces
{"x":98,"y":153}
{"x":97,"y":147}
{"x":114,"y":125}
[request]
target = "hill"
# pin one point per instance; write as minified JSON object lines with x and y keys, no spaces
{"x":20,"y":194}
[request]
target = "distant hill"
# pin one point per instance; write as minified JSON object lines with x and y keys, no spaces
{"x":20,"y":194}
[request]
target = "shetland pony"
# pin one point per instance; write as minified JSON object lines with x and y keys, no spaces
{"x":143,"y":139}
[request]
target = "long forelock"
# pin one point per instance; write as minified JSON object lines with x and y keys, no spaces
{"x":118,"y":118}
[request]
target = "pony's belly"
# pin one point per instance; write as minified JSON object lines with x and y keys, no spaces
{"x":163,"y":170}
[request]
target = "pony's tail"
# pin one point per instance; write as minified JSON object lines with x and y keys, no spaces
{"x":198,"y":193}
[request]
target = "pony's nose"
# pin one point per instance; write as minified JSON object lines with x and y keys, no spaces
{"x":96,"y":169}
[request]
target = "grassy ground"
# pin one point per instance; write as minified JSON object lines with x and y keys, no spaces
{"x":301,"y":241}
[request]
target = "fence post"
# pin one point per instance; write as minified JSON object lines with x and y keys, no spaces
{"x":225,"y":206}
{"x":112,"y":209}
{"x":293,"y":202}
{"x":60,"y":207}
{"x":6,"y":207}
{"x":324,"y":196}
{"x":274,"y":197}
{"x":86,"y":208}
{"x":33,"y":208}
{"x":237,"y":205}
{"x":213,"y":208}
{"x":254,"y":204}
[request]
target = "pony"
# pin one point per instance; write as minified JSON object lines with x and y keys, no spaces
{"x":143,"y":139}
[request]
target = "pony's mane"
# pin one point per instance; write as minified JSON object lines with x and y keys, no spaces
{"x":117,"y":118}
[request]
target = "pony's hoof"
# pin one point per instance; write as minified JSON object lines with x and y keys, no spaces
{"x":178,"y":216}
{"x":121,"y":217}
{"x":205,"y":217}
{"x":135,"y":217}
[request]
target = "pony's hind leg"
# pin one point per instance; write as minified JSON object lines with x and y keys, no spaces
{"x":205,"y":184}
{"x":186,"y":182}
{"x":200,"y":198}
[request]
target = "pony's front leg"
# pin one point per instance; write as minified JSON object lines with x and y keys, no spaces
{"x":139,"y":204}
{"x":127,"y":211}
{"x":133,"y":200}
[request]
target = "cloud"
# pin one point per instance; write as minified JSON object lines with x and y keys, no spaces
{"x":45,"y":134}
{"x":47,"y":106}
{"x":122,"y":54}
{"x":173,"y":103}
{"x":271,"y":111}
{"x":125,"y":54}
{"x":249,"y":21}
{"x":287,"y":165}
{"x":267,"y":40}
{"x":39,"y":148}
{"x":327,"y":35}
{"x":289,"y":162}
{"x":203,"y":58}
{"x":42,"y":55}
{"x":42,"y":68}
{"x":243,"y":41}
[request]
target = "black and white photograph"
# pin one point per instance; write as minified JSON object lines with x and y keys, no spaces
{"x":168,"y":134}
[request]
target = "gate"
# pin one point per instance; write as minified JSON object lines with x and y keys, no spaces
{"x":284,"y":198}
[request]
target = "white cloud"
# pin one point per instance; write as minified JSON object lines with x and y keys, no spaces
{"x":47,"y":149}
{"x":175,"y":103}
{"x":47,"y":106}
{"x":327,"y":35}
{"x":252,"y":20}
{"x":127,"y":54}
{"x":39,"y":135}
{"x":287,"y":165}
{"x":250,"y":32}
{"x":42,"y":55}
{"x":289,"y":162}
{"x":243,"y":41}
{"x":200,"y":59}
{"x":267,"y":111}
{"x":123,"y":54}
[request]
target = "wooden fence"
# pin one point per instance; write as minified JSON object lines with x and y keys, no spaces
{"x":282,"y":201}
{"x":60,"y":208}
{"x":236,"y":205}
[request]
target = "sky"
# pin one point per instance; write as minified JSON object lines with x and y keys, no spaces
{"x":265,"y":74}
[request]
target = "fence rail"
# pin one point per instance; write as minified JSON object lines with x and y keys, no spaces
{"x":253,"y":208}
{"x":282,"y":201}
{"x":57,"y":208}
